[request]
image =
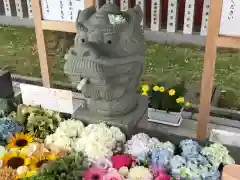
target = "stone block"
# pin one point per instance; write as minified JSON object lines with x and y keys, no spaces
{"x":125,"y":122}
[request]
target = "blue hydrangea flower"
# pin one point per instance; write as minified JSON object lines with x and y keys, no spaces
{"x":188,"y":147}
{"x":176,"y":163}
{"x":160,"y":157}
{"x":8,"y":127}
{"x":198,"y":167}
{"x":197,"y":159}
{"x":210,"y":173}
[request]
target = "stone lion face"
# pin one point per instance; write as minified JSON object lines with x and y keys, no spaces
{"x":110,"y":44}
{"x":98,"y":36}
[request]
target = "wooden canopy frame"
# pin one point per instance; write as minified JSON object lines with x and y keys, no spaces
{"x":213,"y":41}
{"x":40,"y":26}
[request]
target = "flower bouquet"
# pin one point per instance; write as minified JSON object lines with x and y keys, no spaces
{"x":23,"y":157}
{"x":165,"y":104}
{"x":38,"y":121}
{"x":98,"y":151}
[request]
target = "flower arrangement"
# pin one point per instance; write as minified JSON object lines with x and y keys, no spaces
{"x":99,"y":140}
{"x":38,"y":121}
{"x":15,"y":159}
{"x":98,"y":151}
{"x":71,"y":166}
{"x":95,"y":140}
{"x":62,"y":138}
{"x":142,"y":157}
{"x":20,"y":140}
{"x":193,"y":162}
{"x":168,"y":99}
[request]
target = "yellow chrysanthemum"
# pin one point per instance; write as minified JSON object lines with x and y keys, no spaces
{"x":144,"y":93}
{"x":145,"y":88}
{"x":15,"y":159}
{"x":161,"y":89}
{"x":20,"y":140}
{"x":180,"y":100}
{"x":188,"y":104}
{"x":155,"y":88}
{"x":171,"y":92}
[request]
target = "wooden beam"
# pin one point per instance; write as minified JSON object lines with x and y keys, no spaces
{"x":209,"y":67}
{"x":228,"y":42}
{"x":58,"y":26}
{"x":41,"y":46}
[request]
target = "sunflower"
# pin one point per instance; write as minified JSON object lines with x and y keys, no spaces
{"x":20,"y":140}
{"x":15,"y":159}
{"x":38,"y":161}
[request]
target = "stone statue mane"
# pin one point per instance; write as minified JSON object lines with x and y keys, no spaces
{"x":108,"y":53}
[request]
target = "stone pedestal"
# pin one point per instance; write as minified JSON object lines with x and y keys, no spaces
{"x":125,"y":122}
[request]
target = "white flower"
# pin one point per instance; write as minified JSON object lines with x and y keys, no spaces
{"x":123,"y":171}
{"x":140,"y":173}
{"x":92,"y":148}
{"x":71,"y":128}
{"x":154,"y":143}
{"x":137,"y":145}
{"x":2,"y":151}
{"x":169,"y":146}
{"x":217,"y":153}
{"x":228,"y":160}
{"x":57,"y":142}
{"x":100,"y":133}
{"x":98,"y":140}
{"x":119,"y":136}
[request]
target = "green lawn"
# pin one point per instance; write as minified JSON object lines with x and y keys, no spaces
{"x":18,"y":53}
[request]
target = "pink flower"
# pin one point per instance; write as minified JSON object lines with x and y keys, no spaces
{"x":121,"y":160}
{"x":94,"y":174}
{"x":113,"y":175}
{"x":160,"y":173}
{"x":156,"y":171}
{"x":163,"y":176}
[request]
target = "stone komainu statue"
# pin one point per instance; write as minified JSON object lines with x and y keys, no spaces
{"x":109,"y":52}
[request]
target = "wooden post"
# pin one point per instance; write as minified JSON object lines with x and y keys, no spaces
{"x":89,"y":3}
{"x":209,"y":67}
{"x":41,"y":46}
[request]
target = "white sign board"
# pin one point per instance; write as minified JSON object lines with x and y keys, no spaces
{"x":230,"y":21}
{"x":48,"y":98}
{"x":225,"y":137}
{"x":61,"y":10}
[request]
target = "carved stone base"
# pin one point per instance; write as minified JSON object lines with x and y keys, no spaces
{"x":126,"y":122}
